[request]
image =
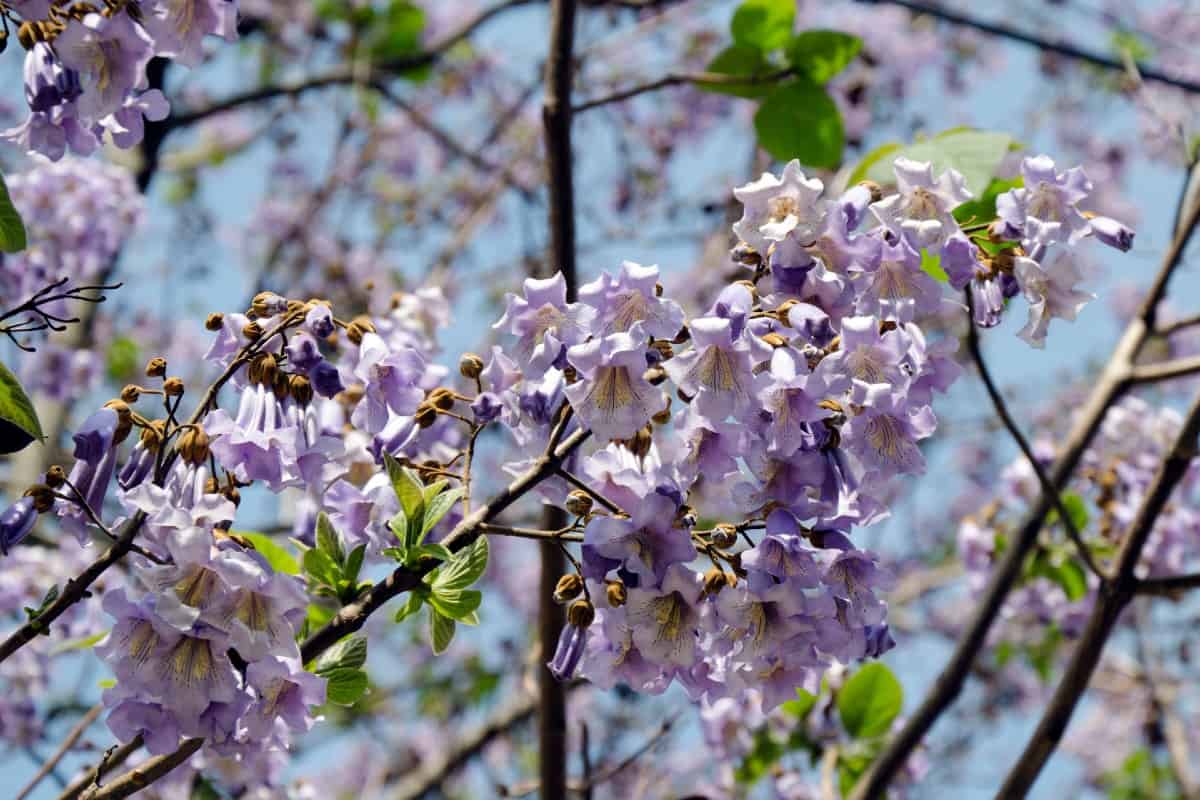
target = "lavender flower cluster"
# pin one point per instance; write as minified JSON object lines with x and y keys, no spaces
{"x":803,"y":392}
{"x":85,"y":65}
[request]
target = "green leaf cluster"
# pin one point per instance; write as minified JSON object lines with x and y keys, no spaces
{"x":331,"y":571}
{"x":797,"y":117}
{"x":341,"y":666}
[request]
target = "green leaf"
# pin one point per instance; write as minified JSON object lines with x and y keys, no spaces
{"x":457,"y":604}
{"x":931,"y":264}
{"x":975,"y":154}
{"x":763,"y":24}
{"x":822,"y":54}
{"x":412,"y":606}
{"x":349,"y":653}
{"x":870,"y":701}
{"x":82,"y":643}
{"x":397,"y":31}
{"x":328,"y":541}
{"x":1066,"y":572}
{"x":983,"y":208}
{"x":799,"y":120}
{"x":800,"y":707}
{"x":122,"y":360}
{"x":741,"y":61}
{"x":1076,"y":508}
{"x":870,"y":160}
{"x":434,"y":550}
{"x":437,"y":508}
{"x":408,"y":488}
{"x":354,"y":563}
{"x":19,"y":423}
{"x":465,"y":568}
{"x":12,"y":230}
{"x":850,"y":767}
{"x":441,"y":631}
{"x":320,"y":566}
{"x":276,"y":554}
{"x":344,"y":687}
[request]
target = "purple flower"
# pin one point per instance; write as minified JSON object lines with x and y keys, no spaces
{"x":392,"y":382}
{"x":1112,"y":233}
{"x":260,"y":443}
{"x":853,"y":577}
{"x":178,"y":27}
{"x":776,"y":208}
{"x":613,"y":397}
{"x":865,"y":355}
{"x":110,"y":54}
{"x":899,"y":289}
{"x":47,"y":82}
{"x":130,"y":718}
{"x":568,"y":653}
{"x":1050,"y":292}
{"x":1046,"y":203}
{"x":922,"y":209}
{"x":666,"y":619}
{"x":286,"y":692}
{"x":630,"y":298}
{"x":16,"y":522}
{"x":648,"y":545}
{"x":544,"y":323}
{"x":787,"y":400}
{"x":717,"y":371}
{"x":884,"y":434}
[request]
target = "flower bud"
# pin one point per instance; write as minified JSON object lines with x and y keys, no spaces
{"x":268,"y":304}
{"x":441,"y":398}
{"x":774,"y":339}
{"x":130,"y":394}
{"x":152,"y":435}
{"x":781,"y":313}
{"x":252,"y":331}
{"x":714,"y":582}
{"x":874,"y":188}
{"x":746,"y":255}
{"x":685,"y":517}
{"x":568,"y":588}
{"x":173,"y":386}
{"x":42,"y":495}
{"x":426,"y":415}
{"x":56,"y":476}
{"x":581,"y":614}
{"x":156,"y":367}
{"x":193,"y":445}
{"x":359,"y":326}
{"x":470,"y":366}
{"x":616,"y":593}
{"x":124,"y":420}
{"x":579,"y":503}
{"x":213,"y":322}
{"x":263,"y":369}
{"x":300,"y":388}
{"x":724,"y":535}
{"x":654,"y":376}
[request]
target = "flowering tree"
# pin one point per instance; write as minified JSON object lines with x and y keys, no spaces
{"x":340,"y":502}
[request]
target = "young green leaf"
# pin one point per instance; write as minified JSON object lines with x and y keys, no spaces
{"x":12,"y":230}
{"x":763,"y":24}
{"x":464,"y":569}
{"x":437,"y":508}
{"x":319,"y":566}
{"x":354,"y":563}
{"x":441,"y":631}
{"x":276,"y":554}
{"x":865,"y":165}
{"x":457,"y":604}
{"x":349,"y":653}
{"x":434,"y":550}
{"x":344,"y":687}
{"x":328,"y":541}
{"x":931,"y":265}
{"x":869,"y":701}
{"x":82,"y":643}
{"x":822,"y":54}
{"x":408,"y":487}
{"x":19,"y":423}
{"x":800,"y":120}
{"x":412,"y":606}
{"x":741,"y":61}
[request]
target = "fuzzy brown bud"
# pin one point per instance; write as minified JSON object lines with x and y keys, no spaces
{"x":579,"y":503}
{"x":874,"y":188}
{"x":724,"y":535}
{"x":43,"y":497}
{"x":616,"y":593}
{"x":130,"y":394}
{"x":781,"y":313}
{"x":152,"y":435}
{"x":570,"y":375}
{"x":745,"y":254}
{"x":267,"y":304}
{"x":252,"y":331}
{"x":156,"y":367}
{"x":426,"y":415}
{"x":124,"y":419}
{"x":470,"y":366}
{"x":714,"y":581}
{"x":173,"y":386}
{"x":300,"y":388}
{"x":569,"y":587}
{"x":193,"y":445}
{"x":774,"y":339}
{"x":441,"y":398}
{"x":214,"y":322}
{"x":56,"y":476}
{"x":359,"y":326}
{"x":581,"y":614}
{"x":263,"y":368}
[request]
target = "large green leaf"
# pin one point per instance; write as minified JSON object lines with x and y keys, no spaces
{"x":441,"y":631}
{"x":408,"y":487}
{"x":349,"y":653}
{"x":344,"y":687}
{"x":12,"y":230}
{"x":741,"y":61}
{"x":800,"y":120}
{"x":465,"y":568}
{"x":822,"y":54}
{"x":19,"y":423}
{"x":276,"y":554}
{"x":975,"y":154}
{"x":457,"y":604}
{"x":764,"y":24}
{"x":870,"y":701}
{"x":328,"y":541}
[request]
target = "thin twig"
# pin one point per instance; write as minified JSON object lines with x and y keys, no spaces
{"x":1168,"y":587}
{"x":1064,"y":516}
{"x":590,"y":492}
{"x":113,"y":757}
{"x":67,"y":743}
{"x":560,"y":535}
{"x":682,"y":78}
{"x":1166,"y":370}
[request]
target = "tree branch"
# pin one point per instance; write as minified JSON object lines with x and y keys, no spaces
{"x":67,"y":743}
{"x":679,"y":79}
{"x":1109,"y":604}
{"x":1057,"y":47}
{"x":1166,"y":370}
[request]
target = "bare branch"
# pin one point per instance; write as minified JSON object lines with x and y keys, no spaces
{"x":680,"y":79}
{"x":1166,"y":370}
{"x":67,"y":743}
